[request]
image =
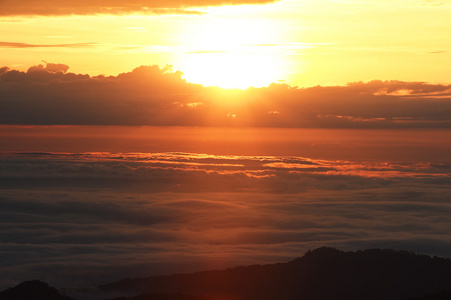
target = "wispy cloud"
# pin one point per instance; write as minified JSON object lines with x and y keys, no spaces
{"x":194,"y":172}
{"x":110,"y":7}
{"x":26,"y":45}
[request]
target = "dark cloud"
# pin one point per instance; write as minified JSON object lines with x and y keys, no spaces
{"x":4,"y":70}
{"x":110,"y":7}
{"x":154,"y":96}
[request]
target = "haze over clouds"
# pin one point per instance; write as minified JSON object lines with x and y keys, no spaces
{"x":150,"y":95}
{"x":80,"y":218}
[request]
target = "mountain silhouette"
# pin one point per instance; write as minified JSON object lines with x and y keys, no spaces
{"x":445,"y":295}
{"x":32,"y":290}
{"x":321,"y":274}
{"x":159,"y":296}
{"x":324,"y":273}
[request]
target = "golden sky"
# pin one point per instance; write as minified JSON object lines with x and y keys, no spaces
{"x":253,"y":43}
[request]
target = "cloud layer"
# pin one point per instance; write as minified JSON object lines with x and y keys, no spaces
{"x":85,"y":7}
{"x":152,"y":96}
{"x":83,"y":218}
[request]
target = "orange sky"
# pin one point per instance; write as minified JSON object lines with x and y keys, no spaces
{"x":303,"y":43}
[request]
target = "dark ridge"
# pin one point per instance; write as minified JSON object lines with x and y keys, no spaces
{"x":32,"y":290}
{"x":152,"y":296}
{"x":324,"y":273}
{"x":445,"y":295}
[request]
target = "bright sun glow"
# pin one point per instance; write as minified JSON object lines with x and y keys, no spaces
{"x":231,"y":54}
{"x":234,"y":69}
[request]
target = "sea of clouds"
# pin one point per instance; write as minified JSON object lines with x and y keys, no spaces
{"x":82,"y":219}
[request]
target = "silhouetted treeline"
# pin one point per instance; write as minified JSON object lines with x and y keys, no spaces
{"x":324,"y":273}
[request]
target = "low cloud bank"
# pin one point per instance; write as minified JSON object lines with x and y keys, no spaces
{"x":149,"y":95}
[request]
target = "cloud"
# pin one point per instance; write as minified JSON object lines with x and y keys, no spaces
{"x":150,"y":95}
{"x":161,"y":173}
{"x":49,"y":68}
{"x":84,"y":7}
{"x":433,"y":3}
{"x":119,"y":215}
{"x":25,"y":45}
{"x":4,"y":70}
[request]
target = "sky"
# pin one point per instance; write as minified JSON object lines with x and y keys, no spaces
{"x":235,"y":44}
{"x":151,"y":137}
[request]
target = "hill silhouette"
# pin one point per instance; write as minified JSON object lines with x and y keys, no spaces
{"x":445,"y":295}
{"x":324,"y":273}
{"x":32,"y":290}
{"x":159,"y":296}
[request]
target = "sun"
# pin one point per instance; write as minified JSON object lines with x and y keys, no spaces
{"x":234,"y":69}
{"x":231,"y":54}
